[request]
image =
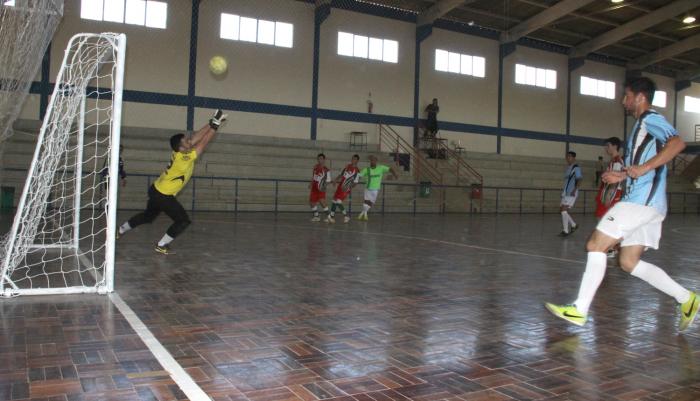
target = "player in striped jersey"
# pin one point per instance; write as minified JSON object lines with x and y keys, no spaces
{"x":345,"y":182}
{"x":636,"y":221}
{"x":319,"y":181}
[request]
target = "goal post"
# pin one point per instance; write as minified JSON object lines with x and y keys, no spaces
{"x":62,"y":237}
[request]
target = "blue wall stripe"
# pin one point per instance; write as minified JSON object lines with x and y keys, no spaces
{"x":337,"y":115}
{"x":252,"y":107}
{"x":365,"y":117}
{"x":194,"y":32}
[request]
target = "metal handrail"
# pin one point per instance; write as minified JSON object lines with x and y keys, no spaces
{"x":390,"y":137}
{"x":459,"y":161}
{"x":586,"y":196}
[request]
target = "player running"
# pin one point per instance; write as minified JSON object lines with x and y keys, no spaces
{"x":374,"y":174}
{"x":319,"y":180}
{"x":635,"y":222}
{"x":610,"y":194}
{"x":345,"y":182}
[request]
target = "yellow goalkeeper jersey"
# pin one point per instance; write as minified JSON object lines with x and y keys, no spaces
{"x":179,"y":171}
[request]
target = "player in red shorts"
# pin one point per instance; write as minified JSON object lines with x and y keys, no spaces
{"x":610,"y":194}
{"x":319,"y":180}
{"x":347,"y":179}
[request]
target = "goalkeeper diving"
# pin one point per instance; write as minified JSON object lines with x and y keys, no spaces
{"x":161,"y":195}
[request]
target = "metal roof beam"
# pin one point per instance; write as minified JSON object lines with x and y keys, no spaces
{"x":653,"y":18}
{"x":589,"y":17}
{"x":689,"y":75}
{"x":439,"y":10}
{"x":664,"y":53}
{"x":542,"y":19}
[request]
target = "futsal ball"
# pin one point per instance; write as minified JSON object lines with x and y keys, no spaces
{"x":218,"y":65}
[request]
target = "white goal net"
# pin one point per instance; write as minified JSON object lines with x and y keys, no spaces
{"x":62,"y":236}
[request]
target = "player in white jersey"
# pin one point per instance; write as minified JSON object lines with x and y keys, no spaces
{"x":569,"y":193}
{"x":635,"y":221}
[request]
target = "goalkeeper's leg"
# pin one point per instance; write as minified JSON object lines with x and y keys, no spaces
{"x":147,"y":216}
{"x":181,"y":220}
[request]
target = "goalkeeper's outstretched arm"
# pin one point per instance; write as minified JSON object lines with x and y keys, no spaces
{"x":206,"y":133}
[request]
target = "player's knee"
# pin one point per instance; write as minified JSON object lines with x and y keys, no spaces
{"x":595,"y":244}
{"x":628,"y":263}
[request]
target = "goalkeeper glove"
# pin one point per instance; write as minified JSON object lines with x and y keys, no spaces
{"x":217,"y":119}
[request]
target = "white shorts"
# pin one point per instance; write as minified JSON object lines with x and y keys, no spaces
{"x":371,"y":195}
{"x":635,"y":224}
{"x":568,"y":201}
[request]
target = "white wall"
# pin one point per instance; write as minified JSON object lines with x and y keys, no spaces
{"x":532,"y":147}
{"x":158,"y":61}
{"x":257,"y":72}
{"x":263,"y":124}
{"x":596,"y":116}
{"x":529,"y":107}
{"x":345,"y":82}
{"x":462,"y":98}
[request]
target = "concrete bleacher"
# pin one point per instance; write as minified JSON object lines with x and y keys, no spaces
{"x":264,"y":166}
{"x":257,"y":161}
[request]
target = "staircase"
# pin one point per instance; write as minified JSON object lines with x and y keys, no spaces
{"x":429,"y":177}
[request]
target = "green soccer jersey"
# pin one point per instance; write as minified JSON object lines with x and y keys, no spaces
{"x":374,"y":176}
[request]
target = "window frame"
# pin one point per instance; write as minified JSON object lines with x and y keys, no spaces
{"x":89,"y":10}
{"x":361,"y":46}
{"x":595,"y":87}
{"x":454,"y":63}
{"x":274,"y":33}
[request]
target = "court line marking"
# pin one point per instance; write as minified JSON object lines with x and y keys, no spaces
{"x":443,"y":242}
{"x":680,"y":230}
{"x":176,"y":371}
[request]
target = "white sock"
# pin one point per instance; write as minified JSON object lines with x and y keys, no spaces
{"x":661,"y":281}
{"x":365,"y":208}
{"x":325,"y":209}
{"x":572,"y":223}
{"x":565,"y":221}
{"x":315,"y":211}
{"x":165,"y":240}
{"x":592,"y":277}
{"x":124,"y":228}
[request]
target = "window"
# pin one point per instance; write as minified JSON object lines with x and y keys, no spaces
{"x":8,"y":3}
{"x":597,"y":87}
{"x":460,"y":63}
{"x":235,"y":27}
{"x":153,"y":14}
{"x":692,"y":104}
{"x":659,"y":99}
{"x":365,"y":47}
{"x":526,"y":75}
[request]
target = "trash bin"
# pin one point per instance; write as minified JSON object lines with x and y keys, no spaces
{"x":425,"y":189}
{"x":476,"y":191}
{"x":7,"y":198}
